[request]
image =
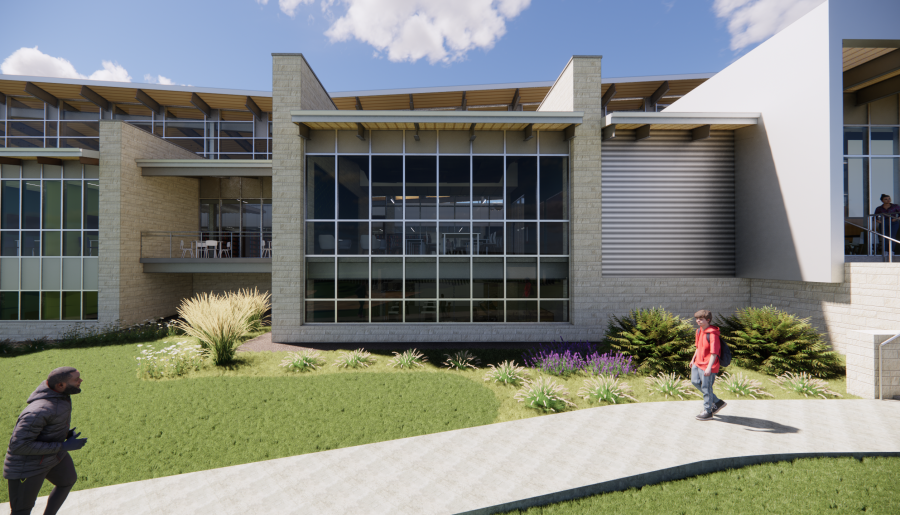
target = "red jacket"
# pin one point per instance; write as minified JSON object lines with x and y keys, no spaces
{"x":707,"y":347}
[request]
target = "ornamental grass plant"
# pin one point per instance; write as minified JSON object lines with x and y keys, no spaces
{"x":606,"y":388}
{"x":670,"y":385}
{"x":461,"y":360}
{"x":805,"y":385}
{"x":658,"y":341}
{"x":218,"y":322}
{"x":544,"y":394}
{"x":742,"y":386}
{"x":507,"y":373}
{"x":408,"y":359}
{"x":775,"y":342}
{"x":256,"y":303}
{"x":304,"y":361}
{"x":358,"y":358}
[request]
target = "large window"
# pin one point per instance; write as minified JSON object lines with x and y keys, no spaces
{"x":871,"y":169}
{"x":436,"y":228}
{"x":49,"y":241}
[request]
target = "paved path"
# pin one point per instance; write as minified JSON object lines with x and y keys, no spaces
{"x":514,"y":464}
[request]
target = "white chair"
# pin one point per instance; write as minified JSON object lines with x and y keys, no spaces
{"x":201,"y":249}
{"x":189,"y":251}
{"x":212,"y":246}
{"x":267,"y":249}
{"x":226,"y":250}
{"x":326,"y":243}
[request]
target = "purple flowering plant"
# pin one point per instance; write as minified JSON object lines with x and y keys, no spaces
{"x":563,"y":358}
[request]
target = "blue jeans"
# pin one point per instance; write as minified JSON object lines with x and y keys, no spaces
{"x":705,"y":385}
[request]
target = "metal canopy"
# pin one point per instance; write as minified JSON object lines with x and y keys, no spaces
{"x":430,"y":120}
{"x":64,"y":154}
{"x":680,"y":121}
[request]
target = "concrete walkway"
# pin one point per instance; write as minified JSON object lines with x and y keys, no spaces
{"x":514,"y":464}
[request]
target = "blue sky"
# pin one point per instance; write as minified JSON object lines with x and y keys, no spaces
{"x":228,"y":43}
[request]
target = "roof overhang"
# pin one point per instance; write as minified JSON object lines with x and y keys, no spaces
{"x":681,"y":121}
{"x":444,"y":120}
{"x":205,"y":167}
{"x":51,"y":156}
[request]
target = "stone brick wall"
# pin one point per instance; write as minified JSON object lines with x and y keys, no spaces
{"x":867,"y":299}
{"x":130,"y":204}
{"x":221,"y":283}
{"x":862,"y":364}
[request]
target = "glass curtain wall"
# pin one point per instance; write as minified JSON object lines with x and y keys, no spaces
{"x":29,"y":123}
{"x":871,"y":169}
{"x":446,"y":236}
{"x":237,"y":211}
{"x":49,"y":241}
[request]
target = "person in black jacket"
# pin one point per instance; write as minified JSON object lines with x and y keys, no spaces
{"x":38,"y":448}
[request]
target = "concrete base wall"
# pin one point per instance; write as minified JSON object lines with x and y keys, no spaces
{"x":862,"y":364}
{"x":25,"y":330}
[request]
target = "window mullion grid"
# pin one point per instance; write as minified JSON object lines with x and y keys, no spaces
{"x":537,"y":205}
{"x":505,"y":230}
{"x":403,"y":234}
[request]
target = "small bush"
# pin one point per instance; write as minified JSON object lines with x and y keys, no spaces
{"x":774,"y":342}
{"x":670,"y":385}
{"x":172,"y":361}
{"x":544,"y":394}
{"x":218,"y":322}
{"x":358,"y":358}
{"x":609,"y":364}
{"x":743,"y":386}
{"x":605,"y":388}
{"x":255,"y":303}
{"x":461,"y":360}
{"x":804,"y":384}
{"x":658,"y":341}
{"x":410,"y":358}
{"x":303,"y":361}
{"x":507,"y":373}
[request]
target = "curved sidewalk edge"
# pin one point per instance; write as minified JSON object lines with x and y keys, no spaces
{"x":517,"y":464}
{"x":671,"y":474}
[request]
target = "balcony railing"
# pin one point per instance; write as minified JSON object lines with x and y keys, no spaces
{"x":206,"y":244}
{"x":878,"y":236}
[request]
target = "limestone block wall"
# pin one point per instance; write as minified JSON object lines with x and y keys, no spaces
{"x":221,"y":283}
{"x":862,"y":364}
{"x":294,"y":86}
{"x":869,"y":298}
{"x":130,"y":204}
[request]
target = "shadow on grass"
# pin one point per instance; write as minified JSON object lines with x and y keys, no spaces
{"x":758,"y":425}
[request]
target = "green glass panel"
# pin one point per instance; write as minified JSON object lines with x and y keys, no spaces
{"x":71,"y":243}
{"x":91,"y":205}
{"x":31,"y":205}
{"x":52,"y":204}
{"x":50,"y":305}
{"x":72,"y":205}
{"x":51,"y":243}
{"x":9,"y":305}
{"x":71,"y":305}
{"x":31,"y":305}
{"x":90,"y":305}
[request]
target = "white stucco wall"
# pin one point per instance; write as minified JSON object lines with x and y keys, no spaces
{"x":561,"y":96}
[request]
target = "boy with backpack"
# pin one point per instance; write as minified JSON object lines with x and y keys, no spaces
{"x":705,"y":363}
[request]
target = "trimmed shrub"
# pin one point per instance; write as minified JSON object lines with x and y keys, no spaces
{"x":461,"y":360}
{"x":658,"y":341}
{"x":804,"y":384}
{"x":605,"y":388}
{"x":544,"y":394}
{"x":774,"y":342}
{"x":303,"y":361}
{"x":410,"y":358}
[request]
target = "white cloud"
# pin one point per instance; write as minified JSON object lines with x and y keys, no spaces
{"x":752,"y":21}
{"x":263,"y":2}
{"x":159,"y":79}
{"x":289,"y":7}
{"x":31,"y":61}
{"x":409,"y":30}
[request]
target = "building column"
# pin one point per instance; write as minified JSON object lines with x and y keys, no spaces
{"x":585,"y":158}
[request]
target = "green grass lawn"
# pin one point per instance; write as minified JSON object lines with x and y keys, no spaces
{"x":819,"y":485}
{"x":256,"y":410}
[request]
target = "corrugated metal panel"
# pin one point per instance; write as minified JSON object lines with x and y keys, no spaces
{"x":668,"y":205}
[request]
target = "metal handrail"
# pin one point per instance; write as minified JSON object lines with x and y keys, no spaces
{"x":880,"y":381}
{"x":890,"y":249}
{"x":201,"y":235}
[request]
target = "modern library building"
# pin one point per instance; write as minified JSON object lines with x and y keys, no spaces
{"x":505,"y":212}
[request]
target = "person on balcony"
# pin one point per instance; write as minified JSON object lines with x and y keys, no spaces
{"x":891,"y":221}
